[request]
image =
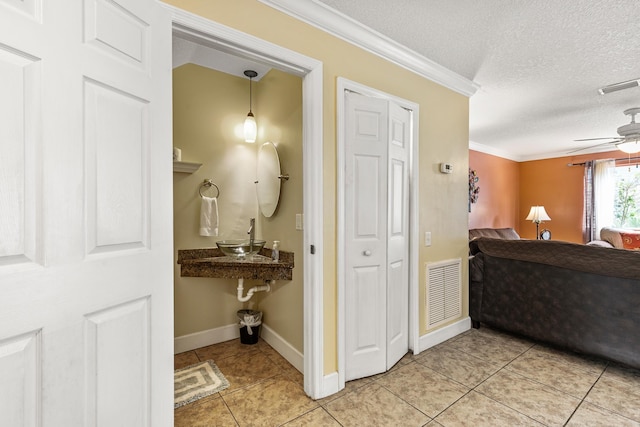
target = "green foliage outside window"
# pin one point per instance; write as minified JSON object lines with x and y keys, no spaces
{"x":627,"y":199}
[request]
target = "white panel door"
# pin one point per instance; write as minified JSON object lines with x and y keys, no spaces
{"x":398,"y":234}
{"x":365,"y":235}
{"x":376,"y":234}
{"x":86,"y":325}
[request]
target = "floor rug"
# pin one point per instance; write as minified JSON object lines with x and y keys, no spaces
{"x":197,"y":381}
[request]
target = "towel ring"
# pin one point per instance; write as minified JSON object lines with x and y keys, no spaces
{"x":208,"y":184}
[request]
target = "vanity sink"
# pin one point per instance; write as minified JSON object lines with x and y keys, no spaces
{"x":240,"y":248}
{"x":213,"y":262}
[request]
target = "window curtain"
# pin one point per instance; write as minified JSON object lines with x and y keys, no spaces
{"x":599,"y":197}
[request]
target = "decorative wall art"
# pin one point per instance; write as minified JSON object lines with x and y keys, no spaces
{"x":474,"y":190}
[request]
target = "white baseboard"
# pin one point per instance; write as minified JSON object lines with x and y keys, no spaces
{"x":329,"y":385}
{"x":205,"y":338}
{"x":441,"y":335}
{"x":285,"y":349}
{"x":230,"y":332}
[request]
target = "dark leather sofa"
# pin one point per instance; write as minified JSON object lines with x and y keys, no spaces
{"x":578,"y":297}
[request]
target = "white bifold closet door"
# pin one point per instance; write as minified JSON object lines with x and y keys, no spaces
{"x":376,"y":234}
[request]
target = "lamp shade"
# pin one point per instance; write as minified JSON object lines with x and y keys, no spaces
{"x":629,"y":147}
{"x":538,"y":214}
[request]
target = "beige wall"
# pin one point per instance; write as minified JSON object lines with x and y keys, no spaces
{"x":443,"y":137}
{"x":209,"y":108}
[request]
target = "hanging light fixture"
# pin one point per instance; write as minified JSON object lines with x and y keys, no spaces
{"x":250,"y":126}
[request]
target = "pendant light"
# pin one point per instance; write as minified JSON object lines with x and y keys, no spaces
{"x":250,"y":126}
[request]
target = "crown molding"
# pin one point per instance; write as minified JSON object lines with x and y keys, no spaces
{"x":339,"y":25}
{"x":493,"y":151}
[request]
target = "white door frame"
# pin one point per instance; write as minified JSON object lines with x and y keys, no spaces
{"x":342,"y":86}
{"x":232,"y":41}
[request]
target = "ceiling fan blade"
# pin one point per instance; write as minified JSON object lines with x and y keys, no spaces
{"x":586,"y":148}
{"x":598,"y":139}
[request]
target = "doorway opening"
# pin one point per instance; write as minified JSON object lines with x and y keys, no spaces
{"x":215,"y":36}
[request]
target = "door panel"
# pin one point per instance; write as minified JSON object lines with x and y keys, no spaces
{"x":20,"y":372}
{"x":116,"y":138}
{"x":366,"y":221}
{"x":85,"y":213}
{"x":116,"y":362}
{"x":365,"y":236}
{"x":367,"y":340}
{"x":398,"y":241}
{"x":19,"y":108}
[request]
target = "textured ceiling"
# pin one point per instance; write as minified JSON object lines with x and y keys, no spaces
{"x":539,"y":63}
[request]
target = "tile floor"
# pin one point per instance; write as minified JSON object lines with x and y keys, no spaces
{"x":480,"y":378}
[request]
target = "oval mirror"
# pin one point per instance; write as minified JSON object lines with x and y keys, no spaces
{"x":268,"y":179}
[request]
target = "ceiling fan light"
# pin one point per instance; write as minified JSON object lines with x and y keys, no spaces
{"x":629,"y":147}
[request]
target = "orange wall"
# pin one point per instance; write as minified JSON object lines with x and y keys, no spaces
{"x":557,"y":187}
{"x":509,"y":189}
{"x":498,"y":201}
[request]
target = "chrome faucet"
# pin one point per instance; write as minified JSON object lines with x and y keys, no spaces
{"x":252,"y":232}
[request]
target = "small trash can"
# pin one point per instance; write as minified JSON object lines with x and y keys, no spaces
{"x":250,"y":321}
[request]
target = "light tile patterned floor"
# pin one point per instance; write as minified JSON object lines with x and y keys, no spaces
{"x":480,"y":378}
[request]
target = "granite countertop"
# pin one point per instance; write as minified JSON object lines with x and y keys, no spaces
{"x":211,"y":262}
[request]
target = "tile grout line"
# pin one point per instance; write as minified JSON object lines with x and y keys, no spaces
{"x":586,"y":394}
{"x":473,"y":389}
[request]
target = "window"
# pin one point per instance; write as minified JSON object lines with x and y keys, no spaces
{"x":627,"y":196}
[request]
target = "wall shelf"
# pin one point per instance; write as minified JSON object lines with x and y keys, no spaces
{"x":186,"y":167}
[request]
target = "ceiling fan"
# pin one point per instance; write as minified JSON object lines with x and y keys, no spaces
{"x":629,"y":139}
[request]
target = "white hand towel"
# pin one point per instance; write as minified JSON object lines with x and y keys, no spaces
{"x":209,"y":216}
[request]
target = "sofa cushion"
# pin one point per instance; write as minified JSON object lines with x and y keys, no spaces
{"x":614,"y":236}
{"x":631,"y":241}
{"x":572,"y":256}
{"x":494,"y":233}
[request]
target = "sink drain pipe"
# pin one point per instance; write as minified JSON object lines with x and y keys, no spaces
{"x":251,"y":291}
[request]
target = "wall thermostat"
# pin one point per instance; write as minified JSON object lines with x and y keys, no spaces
{"x":446,"y":168}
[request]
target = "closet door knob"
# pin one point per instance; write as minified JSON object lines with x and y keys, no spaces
{"x":366,"y":253}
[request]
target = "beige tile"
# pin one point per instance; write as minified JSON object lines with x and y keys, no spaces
{"x":423,"y":388}
{"x":316,"y":418}
{"x":224,"y":349}
{"x":373,"y":405}
{"x":269,"y":403}
{"x":477,"y":410}
{"x":266,"y":348}
{"x":406,"y":359}
{"x":590,"y":364}
{"x":618,"y":394}
{"x":555,"y":370}
{"x":589,"y":415}
{"x":623,"y":374}
{"x":349,"y":387}
{"x":540,"y":402}
{"x":204,"y":413}
{"x":246,"y":369}
{"x":490,"y":346}
{"x":182,"y":360}
{"x":505,"y":337}
{"x":457,"y":365}
{"x":283,"y":364}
